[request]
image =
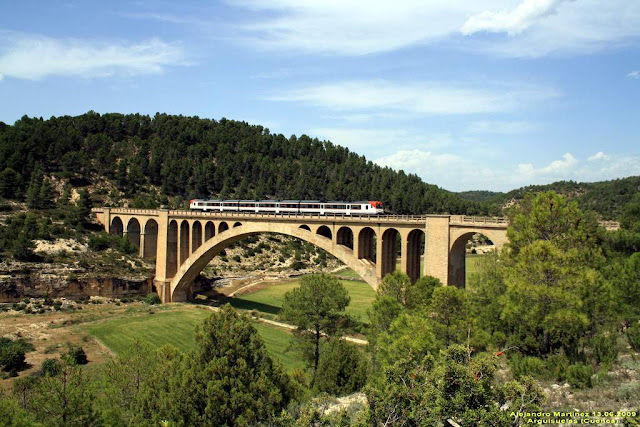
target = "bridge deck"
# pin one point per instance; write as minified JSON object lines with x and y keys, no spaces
{"x":407,"y":219}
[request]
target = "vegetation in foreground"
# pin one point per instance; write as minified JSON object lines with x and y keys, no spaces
{"x":553,"y":306}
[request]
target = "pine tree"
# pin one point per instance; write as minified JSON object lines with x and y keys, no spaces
{"x":316,"y":308}
{"x":46,"y":194}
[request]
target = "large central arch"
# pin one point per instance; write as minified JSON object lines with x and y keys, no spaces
{"x":199,"y":259}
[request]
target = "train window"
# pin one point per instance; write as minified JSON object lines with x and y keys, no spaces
{"x":355,"y":207}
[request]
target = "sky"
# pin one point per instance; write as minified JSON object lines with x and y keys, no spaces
{"x":467,"y":94}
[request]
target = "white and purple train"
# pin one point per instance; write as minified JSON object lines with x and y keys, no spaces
{"x":289,"y":206}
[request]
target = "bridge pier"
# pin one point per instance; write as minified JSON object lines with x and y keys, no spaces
{"x":436,"y":261}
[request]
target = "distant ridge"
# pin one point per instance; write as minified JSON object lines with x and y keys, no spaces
{"x":604,"y":197}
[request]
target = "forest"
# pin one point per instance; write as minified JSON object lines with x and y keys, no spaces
{"x":169,"y":159}
{"x":607,"y":198}
{"x":560,"y":303}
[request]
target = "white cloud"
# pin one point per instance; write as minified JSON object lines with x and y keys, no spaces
{"x":555,"y":168}
{"x":598,"y":156}
{"x":360,"y":27}
{"x":1,"y":77}
{"x":462,"y":172}
{"x":373,"y":139}
{"x":514,"y":21}
{"x":500,"y":127}
{"x":634,"y":74}
{"x":416,"y":160}
{"x":580,"y":27}
{"x":417,"y":97}
{"x":355,"y":27}
{"x":35,"y":57}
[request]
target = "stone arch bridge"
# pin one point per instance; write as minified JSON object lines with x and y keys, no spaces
{"x":183,"y":242}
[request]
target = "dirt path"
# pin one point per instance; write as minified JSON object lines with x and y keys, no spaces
{"x":357,"y":341}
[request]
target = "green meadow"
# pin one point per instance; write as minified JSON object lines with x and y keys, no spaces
{"x":269,"y":300}
{"x":177,"y":327}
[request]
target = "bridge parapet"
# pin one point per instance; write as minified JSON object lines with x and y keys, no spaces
{"x":127,"y":211}
{"x":500,"y":222}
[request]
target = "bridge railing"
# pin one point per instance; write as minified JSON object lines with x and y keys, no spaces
{"x":479,"y":220}
{"x":342,"y":217}
{"x":131,"y":211}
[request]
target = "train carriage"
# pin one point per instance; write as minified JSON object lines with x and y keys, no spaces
{"x":315,"y":207}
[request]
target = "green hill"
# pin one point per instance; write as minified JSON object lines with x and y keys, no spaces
{"x":604,"y":197}
{"x":168,"y":159}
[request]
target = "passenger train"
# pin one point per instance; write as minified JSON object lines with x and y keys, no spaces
{"x":289,"y":206}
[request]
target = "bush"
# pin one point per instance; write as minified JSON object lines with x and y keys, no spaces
{"x":77,"y":355}
{"x":12,"y":354}
{"x":528,"y":365}
{"x":153,"y":299}
{"x":51,"y":367}
{"x":498,"y":339}
{"x":342,"y":368}
{"x":557,"y":364}
{"x":633,"y":335}
{"x":605,"y":347}
{"x":579,"y":375}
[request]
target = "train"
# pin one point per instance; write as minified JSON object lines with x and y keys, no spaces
{"x":370,"y":207}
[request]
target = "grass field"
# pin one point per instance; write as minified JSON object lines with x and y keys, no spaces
{"x":177,"y":328}
{"x":269,"y":300}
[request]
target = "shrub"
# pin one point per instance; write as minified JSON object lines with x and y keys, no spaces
{"x":51,"y":367}
{"x":237,"y":258}
{"x":342,"y":368}
{"x":633,"y":335}
{"x":153,"y":299}
{"x":77,"y":355}
{"x":557,"y":364}
{"x":298,"y":265}
{"x":579,"y":375}
{"x":498,"y":339}
{"x":528,"y":365}
{"x":12,"y":354}
{"x":605,"y":348}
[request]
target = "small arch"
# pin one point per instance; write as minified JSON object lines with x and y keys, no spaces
{"x":237,"y":224}
{"x":457,"y":259}
{"x":367,"y":244}
{"x":323,"y":230}
{"x":184,"y":241}
{"x":345,"y":237}
{"x":223,"y":227}
{"x":196,"y":235}
{"x":209,"y":230}
{"x":414,"y":253}
{"x":133,"y":232}
{"x":150,"y":239}
{"x":172,"y":248}
{"x":389,"y":251}
{"x":116,"y":228}
{"x":305,"y":227}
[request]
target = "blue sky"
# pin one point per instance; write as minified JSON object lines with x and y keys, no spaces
{"x":489,"y":95}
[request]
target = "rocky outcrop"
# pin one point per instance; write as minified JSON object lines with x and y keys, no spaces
{"x":16,"y":289}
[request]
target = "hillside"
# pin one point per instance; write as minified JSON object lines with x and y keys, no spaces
{"x":604,"y":197}
{"x":145,"y":161}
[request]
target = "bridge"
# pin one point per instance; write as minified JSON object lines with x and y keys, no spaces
{"x":182,"y":242}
